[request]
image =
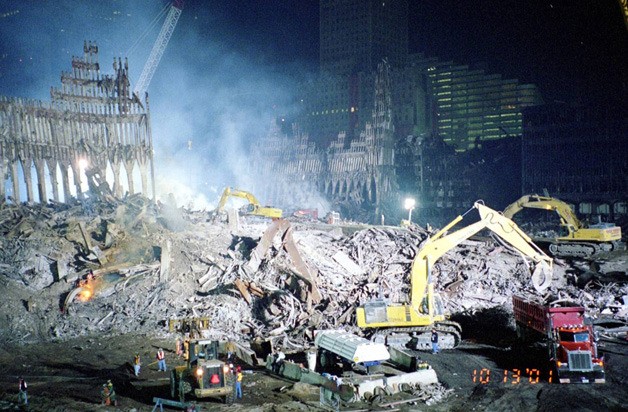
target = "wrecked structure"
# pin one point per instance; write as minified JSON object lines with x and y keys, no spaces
{"x":577,"y":153}
{"x":354,"y":173}
{"x":93,"y":127}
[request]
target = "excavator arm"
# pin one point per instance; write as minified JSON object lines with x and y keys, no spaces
{"x":410,"y":324}
{"x":567,"y":217}
{"x":580,"y":240}
{"x":254,"y":206}
{"x":441,"y":243}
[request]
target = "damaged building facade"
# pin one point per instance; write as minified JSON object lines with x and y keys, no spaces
{"x":92,"y":128}
{"x":578,"y":153}
{"x":355,"y":173}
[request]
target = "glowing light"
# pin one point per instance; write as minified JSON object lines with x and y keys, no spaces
{"x":83,"y":163}
{"x":409,"y":204}
{"x":85,"y":295}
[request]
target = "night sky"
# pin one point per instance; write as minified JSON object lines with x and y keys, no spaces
{"x":231,"y":66}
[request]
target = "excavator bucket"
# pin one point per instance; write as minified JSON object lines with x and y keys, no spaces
{"x":541,"y":277}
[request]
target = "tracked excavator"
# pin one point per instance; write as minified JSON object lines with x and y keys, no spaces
{"x":409,"y":324}
{"x":580,"y":240}
{"x":253,"y":208}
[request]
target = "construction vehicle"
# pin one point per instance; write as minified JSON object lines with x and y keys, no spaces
{"x":580,"y":240}
{"x":570,"y":341}
{"x":309,"y":214}
{"x":409,"y":324}
{"x":253,"y":208}
{"x":203,"y":375}
{"x":192,"y":327}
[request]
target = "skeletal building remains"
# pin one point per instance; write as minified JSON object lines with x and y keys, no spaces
{"x":358,"y":172}
{"x":93,"y":127}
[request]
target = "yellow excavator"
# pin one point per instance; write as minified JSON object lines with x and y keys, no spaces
{"x":253,"y":208}
{"x":409,"y":324}
{"x":580,"y":240}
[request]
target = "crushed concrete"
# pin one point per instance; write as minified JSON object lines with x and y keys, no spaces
{"x":45,"y":248}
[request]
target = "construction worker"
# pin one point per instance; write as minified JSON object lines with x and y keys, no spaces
{"x":136,"y":364}
{"x":278,"y":362}
{"x":434,"y":340}
{"x":238,"y":382}
{"x":230,"y":348}
{"x":22,"y":396}
{"x":178,"y":347}
{"x":161,"y":360}
{"x":186,"y":349}
{"x":112,"y":394}
{"x":105,"y":395}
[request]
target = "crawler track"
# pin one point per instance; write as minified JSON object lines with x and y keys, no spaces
{"x":418,"y":337}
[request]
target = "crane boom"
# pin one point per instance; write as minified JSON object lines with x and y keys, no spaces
{"x":158,"y":48}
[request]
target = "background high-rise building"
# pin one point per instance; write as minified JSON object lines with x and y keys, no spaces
{"x":468,"y":106}
{"x":462,"y":105}
{"x":355,"y":35}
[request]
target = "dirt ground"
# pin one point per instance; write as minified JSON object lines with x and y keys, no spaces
{"x":68,"y":376}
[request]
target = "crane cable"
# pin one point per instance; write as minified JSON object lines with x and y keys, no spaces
{"x":149,"y":29}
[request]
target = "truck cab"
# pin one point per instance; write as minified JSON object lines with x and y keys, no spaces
{"x":570,"y":340}
{"x":576,"y":357}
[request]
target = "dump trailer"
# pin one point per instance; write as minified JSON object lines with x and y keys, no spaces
{"x":570,"y":342}
{"x":350,"y":349}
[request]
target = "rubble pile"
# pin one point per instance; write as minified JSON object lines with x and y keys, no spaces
{"x":154,"y":263}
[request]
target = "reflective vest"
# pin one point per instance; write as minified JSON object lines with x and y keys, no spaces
{"x":137,"y":359}
{"x":239,"y":377}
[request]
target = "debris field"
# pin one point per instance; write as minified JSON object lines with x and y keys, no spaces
{"x":153,"y":263}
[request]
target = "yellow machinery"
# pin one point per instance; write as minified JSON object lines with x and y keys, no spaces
{"x":192,"y":326}
{"x":203,"y":375}
{"x":397,"y":322}
{"x":253,"y":208}
{"x":580,"y":240}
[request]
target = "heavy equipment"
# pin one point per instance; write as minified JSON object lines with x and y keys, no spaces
{"x":203,"y":375}
{"x":408,"y":324}
{"x":253,"y":208}
{"x":569,"y":339}
{"x":579,"y":240}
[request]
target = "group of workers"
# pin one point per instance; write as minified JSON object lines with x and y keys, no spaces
{"x":108,"y":394}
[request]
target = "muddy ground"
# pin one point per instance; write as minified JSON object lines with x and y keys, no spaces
{"x":68,"y":376}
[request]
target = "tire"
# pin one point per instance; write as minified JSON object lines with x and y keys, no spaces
{"x":173,"y":384}
{"x":230,"y":383}
{"x":184,"y":387}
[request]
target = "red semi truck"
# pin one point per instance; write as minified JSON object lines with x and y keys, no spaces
{"x":570,"y":342}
